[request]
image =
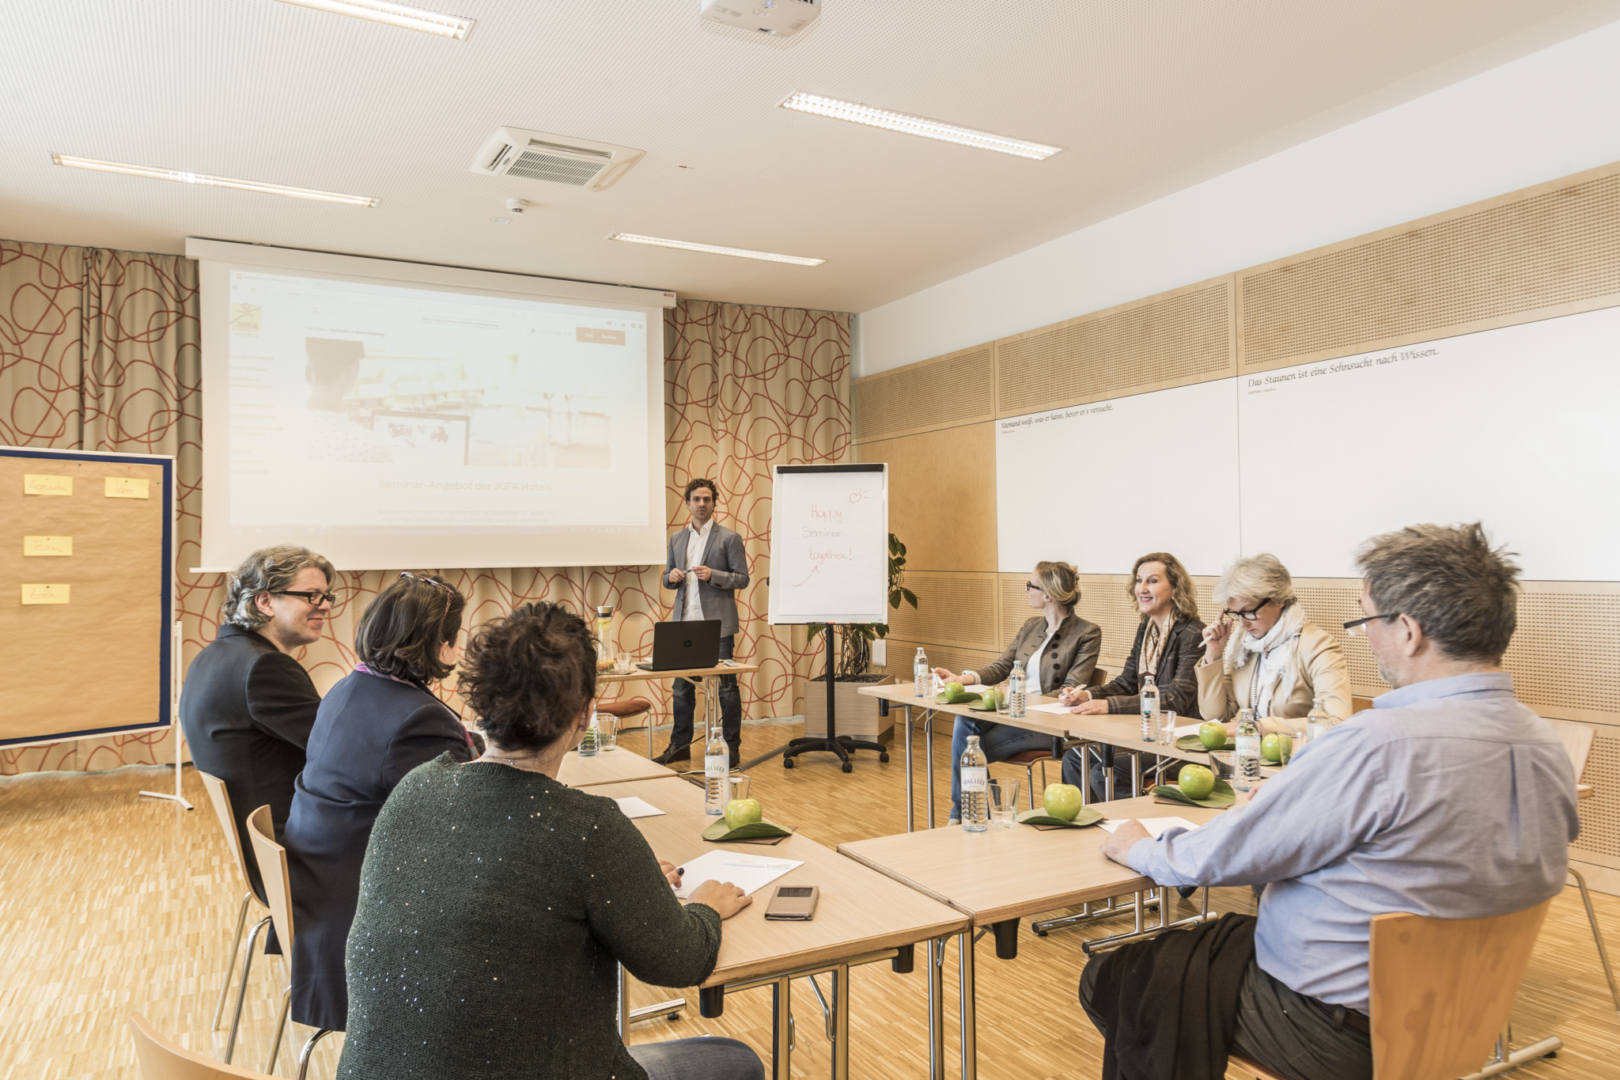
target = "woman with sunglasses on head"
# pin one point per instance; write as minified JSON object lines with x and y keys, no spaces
{"x":377,"y":724}
{"x":1166,"y":647}
{"x":1057,"y":650}
{"x":1263,"y":654}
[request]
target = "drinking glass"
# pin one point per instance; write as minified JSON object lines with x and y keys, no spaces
{"x":588,"y":742}
{"x":1003,"y":803}
{"x":1167,"y":728}
{"x":624,"y":665}
{"x":1003,"y":702}
{"x":607,"y":732}
{"x":739,"y":786}
{"x":1224,"y":764}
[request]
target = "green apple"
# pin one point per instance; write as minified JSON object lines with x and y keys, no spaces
{"x":954,"y":690}
{"x":1212,"y":735}
{"x":1271,"y":747}
{"x":1196,"y":781}
{"x":740,"y":812}
{"x":991,"y":698}
{"x":1062,"y":801}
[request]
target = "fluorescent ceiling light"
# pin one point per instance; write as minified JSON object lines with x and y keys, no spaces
{"x":741,"y":253}
{"x":210,"y":181}
{"x":915,"y":125}
{"x":400,"y":15}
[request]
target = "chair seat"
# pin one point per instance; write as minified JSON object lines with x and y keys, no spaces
{"x":1030,"y":757}
{"x":625,"y":707}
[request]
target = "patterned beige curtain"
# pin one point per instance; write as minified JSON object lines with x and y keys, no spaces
{"x":99,"y":351}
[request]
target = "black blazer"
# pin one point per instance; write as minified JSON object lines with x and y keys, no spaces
{"x":247,"y":709}
{"x":1177,"y":677}
{"x":370,"y":732}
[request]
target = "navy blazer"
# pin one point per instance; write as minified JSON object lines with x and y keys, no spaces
{"x":370,"y":732}
{"x":247,"y":709}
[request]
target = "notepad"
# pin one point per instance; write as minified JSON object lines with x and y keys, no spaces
{"x":635,"y":808}
{"x":1051,"y":707}
{"x":750,"y":873}
{"x":1154,"y":825}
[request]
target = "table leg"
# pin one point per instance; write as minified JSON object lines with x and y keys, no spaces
{"x":969,"y":1006}
{"x":782,"y":1029}
{"x":840,"y":1022}
{"x":1108,"y":773}
{"x":911,"y":811}
{"x":624,"y":1003}
{"x":928,"y":757}
{"x":936,"y":1008}
{"x":1136,"y":776}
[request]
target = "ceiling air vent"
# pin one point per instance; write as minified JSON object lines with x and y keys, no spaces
{"x":554,"y":159}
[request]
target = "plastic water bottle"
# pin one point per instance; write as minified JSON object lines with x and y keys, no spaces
{"x":1248,"y":752}
{"x":1015,"y":698}
{"x":922,"y":676}
{"x":1318,"y":722}
{"x":716,"y":770}
{"x":1150,"y":709}
{"x":589,"y":742}
{"x":975,"y":782}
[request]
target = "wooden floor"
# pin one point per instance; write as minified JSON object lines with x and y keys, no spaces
{"x":110,"y":903}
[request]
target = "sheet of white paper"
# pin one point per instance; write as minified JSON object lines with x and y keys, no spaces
{"x":634,"y":807}
{"x":1188,"y":729}
{"x":976,"y":688}
{"x":750,"y":873}
{"x":1154,"y":825}
{"x":1051,"y":707}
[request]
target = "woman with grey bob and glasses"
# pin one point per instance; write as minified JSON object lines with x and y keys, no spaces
{"x":1262,"y":653}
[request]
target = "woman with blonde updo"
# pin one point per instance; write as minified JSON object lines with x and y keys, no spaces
{"x":1057,"y":650}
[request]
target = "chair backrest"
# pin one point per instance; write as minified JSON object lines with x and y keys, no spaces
{"x":162,"y":1060}
{"x":227,"y":820}
{"x":273,"y":869}
{"x":1098,"y":677}
{"x":1360,"y":704}
{"x":1577,"y":740}
{"x":1442,"y":989}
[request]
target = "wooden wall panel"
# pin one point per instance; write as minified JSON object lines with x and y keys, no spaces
{"x":946,"y":391}
{"x":942,"y":495}
{"x":1534,"y":254}
{"x":1173,"y":339}
{"x":952,"y":609}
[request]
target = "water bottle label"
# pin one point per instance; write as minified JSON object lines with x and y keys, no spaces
{"x":975,"y":779}
{"x":1248,"y":746}
{"x":715,"y":766}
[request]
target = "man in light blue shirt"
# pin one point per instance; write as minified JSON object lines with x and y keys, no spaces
{"x":1448,"y":799}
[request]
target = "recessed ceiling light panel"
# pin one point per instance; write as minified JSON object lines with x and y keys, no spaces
{"x":871,"y":116}
{"x":210,"y":181}
{"x":401,"y":15}
{"x":712,"y":249}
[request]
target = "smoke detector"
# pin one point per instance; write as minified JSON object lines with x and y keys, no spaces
{"x":554,"y":159}
{"x":783,"y":18}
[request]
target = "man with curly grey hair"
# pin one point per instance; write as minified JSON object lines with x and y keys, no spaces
{"x":247,"y":706}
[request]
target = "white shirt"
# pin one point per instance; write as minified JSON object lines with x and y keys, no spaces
{"x":692,"y":604}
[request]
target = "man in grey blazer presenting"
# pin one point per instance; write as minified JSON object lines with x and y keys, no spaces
{"x":706,"y":566}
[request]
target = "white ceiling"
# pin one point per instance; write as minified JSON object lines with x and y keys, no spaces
{"x":1147,"y":95}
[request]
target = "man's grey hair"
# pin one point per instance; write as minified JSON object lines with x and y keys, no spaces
{"x":1256,"y":578}
{"x":1460,"y":590}
{"x":266,"y":571}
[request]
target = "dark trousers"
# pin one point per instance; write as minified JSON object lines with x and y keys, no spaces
{"x":730,"y":704}
{"x":1286,"y":1032}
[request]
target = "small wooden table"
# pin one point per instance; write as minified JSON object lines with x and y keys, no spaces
{"x":862,"y":917}
{"x":707,"y":680}
{"x":609,"y":767}
{"x":998,"y":877}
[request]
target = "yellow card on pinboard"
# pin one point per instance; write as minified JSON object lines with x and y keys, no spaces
{"x":42,"y":484}
{"x":128,"y":487}
{"x":45,"y":594}
{"x":47,"y":545}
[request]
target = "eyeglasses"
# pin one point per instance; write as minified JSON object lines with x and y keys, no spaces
{"x":449,"y":593}
{"x":1252,"y":614}
{"x":1032,"y":585}
{"x":313,"y":599}
{"x":1358,"y":627}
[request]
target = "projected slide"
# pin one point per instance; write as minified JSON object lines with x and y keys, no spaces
{"x":369,"y":408}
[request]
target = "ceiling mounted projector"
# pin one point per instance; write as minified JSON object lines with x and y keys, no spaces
{"x":783,"y":18}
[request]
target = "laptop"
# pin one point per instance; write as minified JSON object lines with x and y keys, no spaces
{"x":679,"y":646}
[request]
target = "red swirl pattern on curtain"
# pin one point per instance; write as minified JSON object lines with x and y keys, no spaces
{"x":99,"y":350}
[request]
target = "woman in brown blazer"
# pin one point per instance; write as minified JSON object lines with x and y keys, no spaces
{"x":1057,"y":650}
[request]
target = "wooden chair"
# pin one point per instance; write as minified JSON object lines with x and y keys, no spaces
{"x":162,"y":1060}
{"x":1441,"y":991}
{"x":227,"y":822}
{"x":628,"y":709}
{"x":278,"y":891}
{"x":1577,"y":740}
{"x":1030,"y":758}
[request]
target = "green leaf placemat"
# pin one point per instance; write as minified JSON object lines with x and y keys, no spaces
{"x":1087,"y":816}
{"x":720,"y":832}
{"x":1193,"y":742}
{"x":1222,"y":796}
{"x":966,"y":699}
